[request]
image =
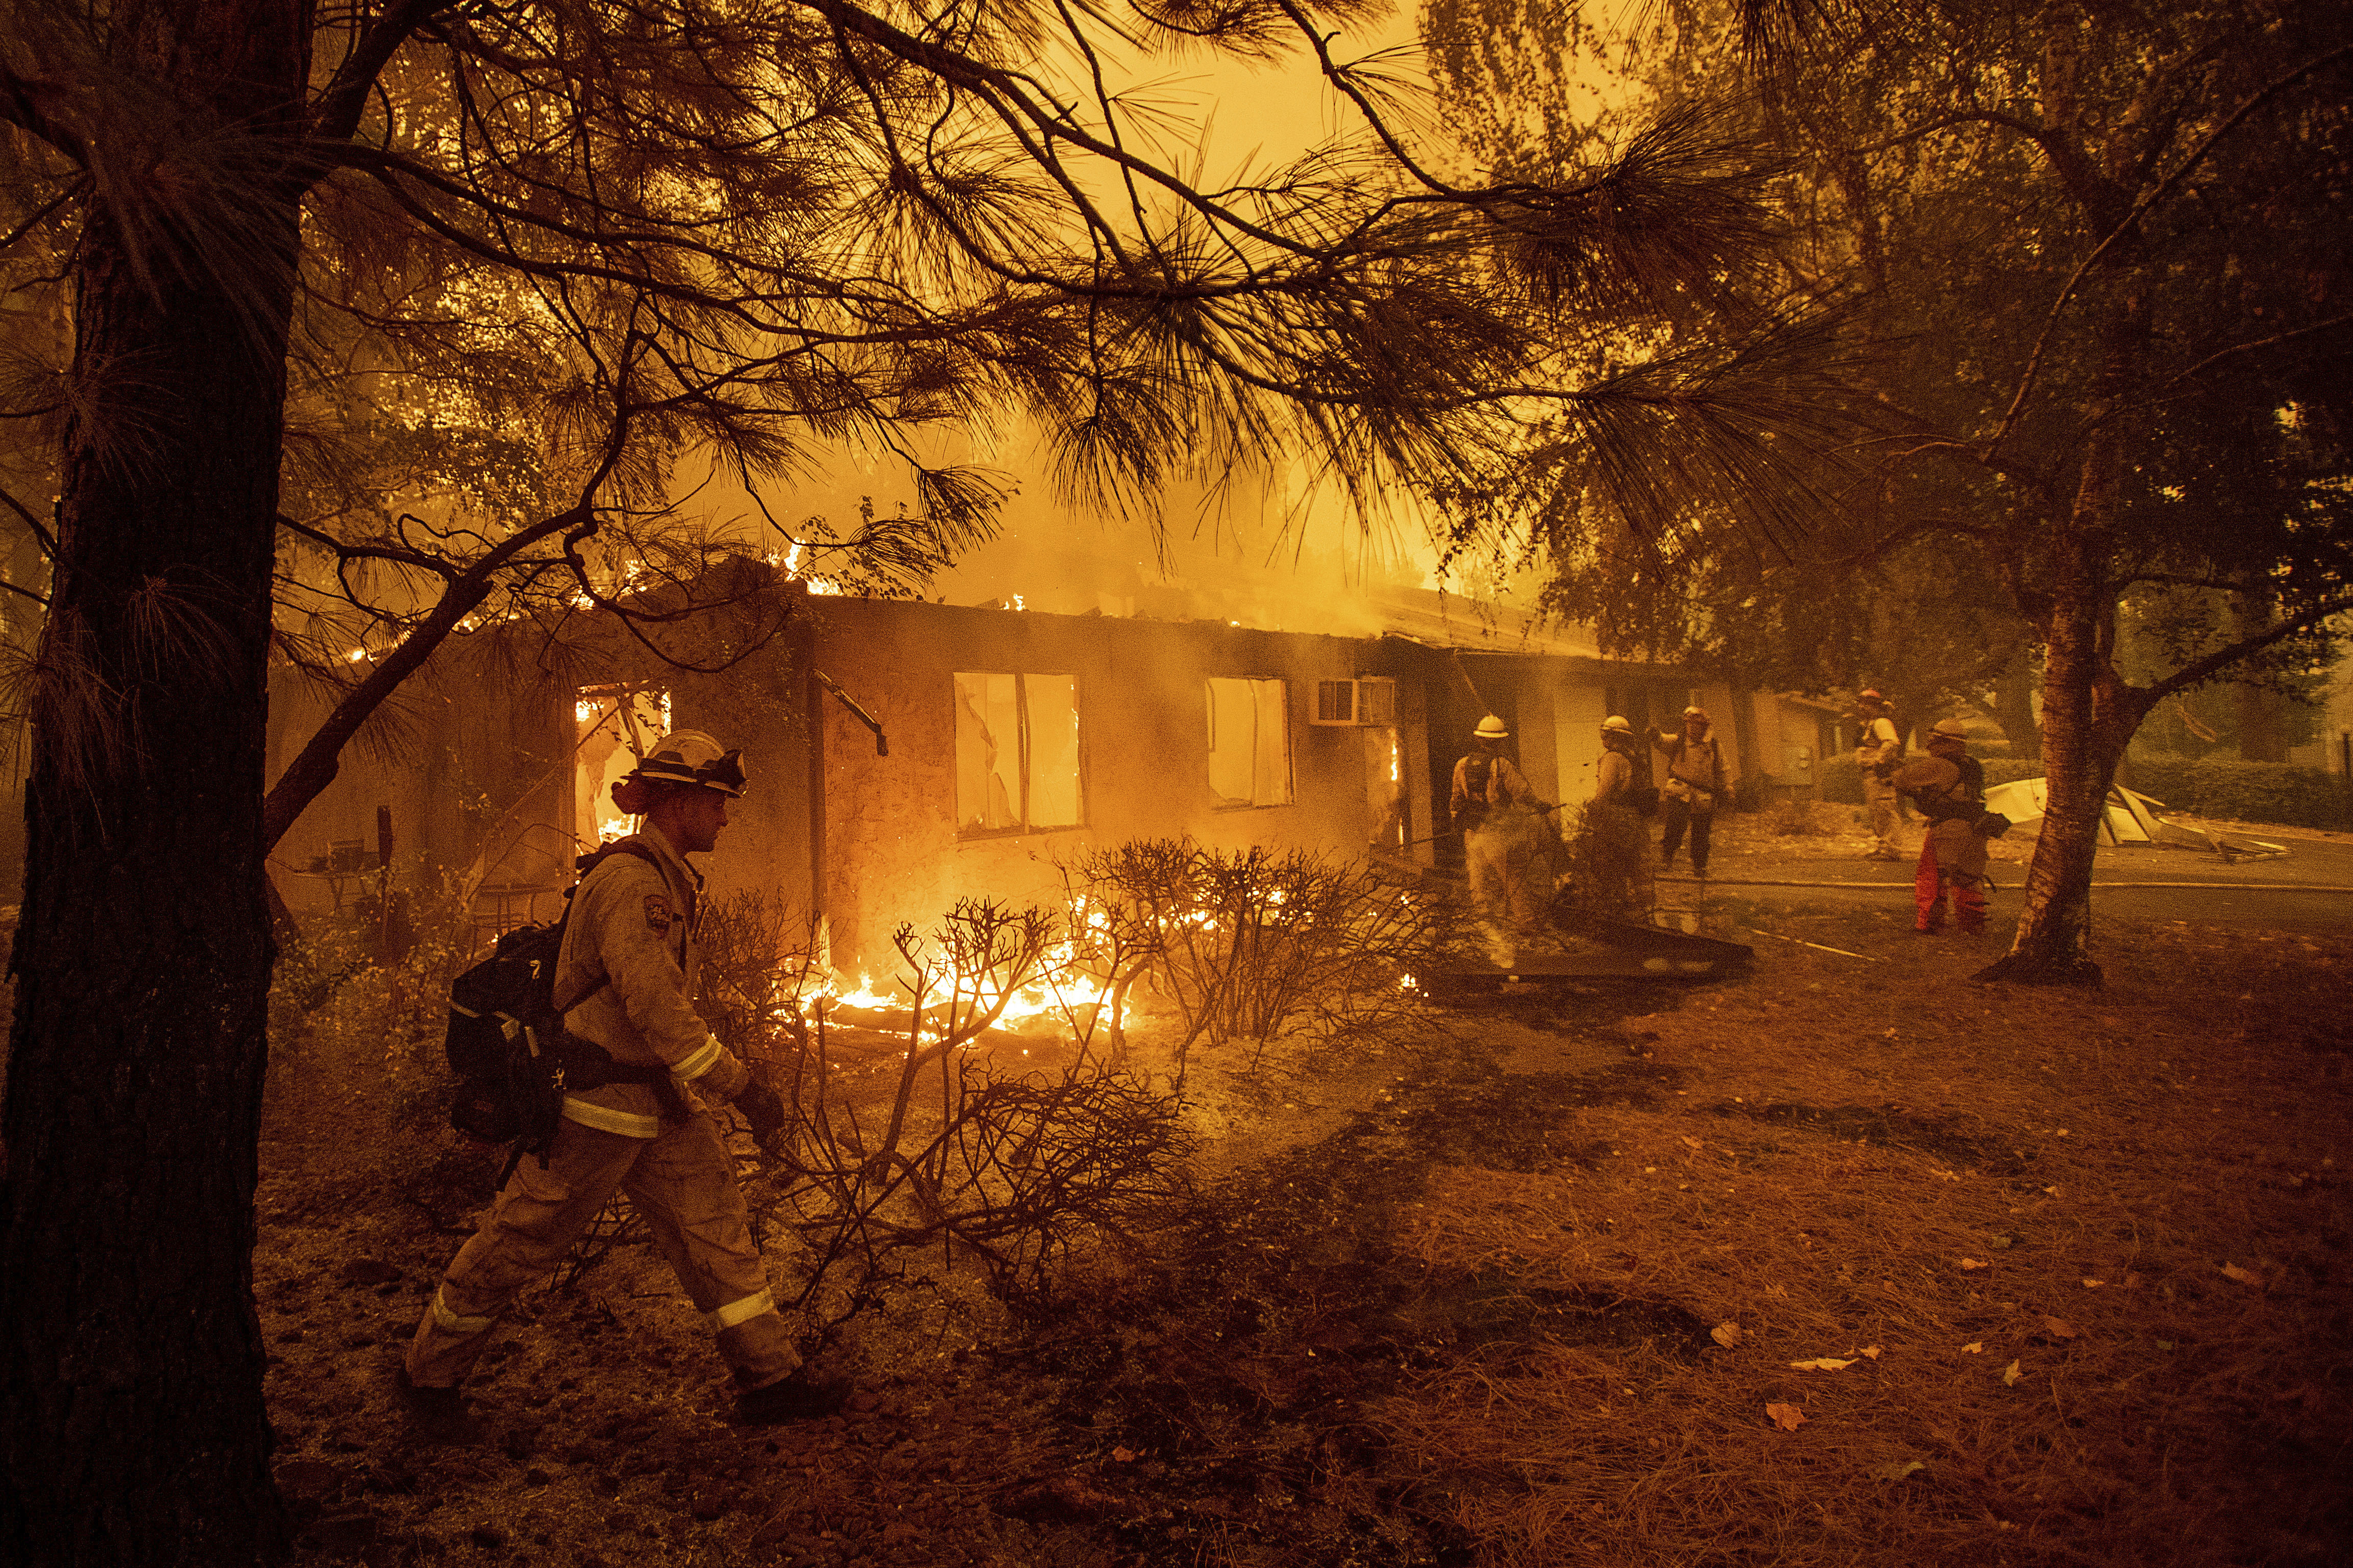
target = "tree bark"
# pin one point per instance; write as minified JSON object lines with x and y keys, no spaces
{"x":130,"y":1358}
{"x":2013,"y":703}
{"x":2088,"y":715}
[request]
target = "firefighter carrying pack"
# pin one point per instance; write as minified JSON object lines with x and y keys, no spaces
{"x":514,"y":1060}
{"x":1478,"y":773}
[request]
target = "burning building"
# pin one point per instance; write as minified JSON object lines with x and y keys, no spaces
{"x":907,"y":753}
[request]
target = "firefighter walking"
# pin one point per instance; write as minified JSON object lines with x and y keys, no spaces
{"x":628,"y":960}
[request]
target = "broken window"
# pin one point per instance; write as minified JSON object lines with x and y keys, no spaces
{"x":1249,"y":742}
{"x":617,"y":725}
{"x":1017,"y":753}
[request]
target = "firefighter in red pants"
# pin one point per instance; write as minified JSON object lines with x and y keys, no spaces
{"x":1948,"y":786}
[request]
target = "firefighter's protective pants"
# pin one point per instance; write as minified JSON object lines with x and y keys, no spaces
{"x":1953,"y":857}
{"x":1500,"y":858}
{"x":1879,"y":795}
{"x":1677,"y":816}
{"x":682,"y":1183}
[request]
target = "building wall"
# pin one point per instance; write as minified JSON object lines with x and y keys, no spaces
{"x":891,"y":851}
{"x":468,"y":756}
{"x":1579,"y":707}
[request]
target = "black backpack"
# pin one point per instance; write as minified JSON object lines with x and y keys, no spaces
{"x":507,"y":1043}
{"x":1477,"y":768}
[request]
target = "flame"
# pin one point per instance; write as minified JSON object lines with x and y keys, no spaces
{"x":1057,"y":992}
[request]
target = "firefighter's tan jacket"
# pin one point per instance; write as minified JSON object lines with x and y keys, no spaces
{"x":1876,"y":742}
{"x":1694,"y":767}
{"x":1615,"y":778}
{"x":635,"y":922}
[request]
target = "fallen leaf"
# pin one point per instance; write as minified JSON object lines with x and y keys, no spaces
{"x":1122,"y":1455}
{"x":1975,"y":1347}
{"x":1898,"y":1469}
{"x":2061,"y":1327}
{"x":1788,"y":1418}
{"x":1889,"y":1036}
{"x":2243,"y":1276}
{"x":2061,"y":1134}
{"x":1973,"y":1263}
{"x":1822,"y":1364}
{"x":1694,"y":1144}
{"x":2010,"y":1375}
{"x":1725,"y":1334}
{"x":1870,"y":1351}
{"x":2001,"y":1242}
{"x":2093,"y":1284}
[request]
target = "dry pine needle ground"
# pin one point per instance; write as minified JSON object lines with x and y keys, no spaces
{"x":2091,"y":1278}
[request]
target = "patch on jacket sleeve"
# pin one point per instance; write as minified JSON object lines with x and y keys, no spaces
{"x":658,"y":915}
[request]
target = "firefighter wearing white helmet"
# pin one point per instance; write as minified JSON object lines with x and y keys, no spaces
{"x":1616,"y":819}
{"x":625,"y":977}
{"x":1502,"y":822}
{"x":1695,"y":785}
{"x":1948,"y":786}
{"x":1878,"y":748}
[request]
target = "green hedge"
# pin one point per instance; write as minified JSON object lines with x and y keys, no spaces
{"x":1841,"y":780}
{"x":2242,"y":791}
{"x":2196,"y":786}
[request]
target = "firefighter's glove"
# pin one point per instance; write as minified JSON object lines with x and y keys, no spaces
{"x":763,"y":1107}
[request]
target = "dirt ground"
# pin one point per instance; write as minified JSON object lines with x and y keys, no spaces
{"x":1847,"y":1260}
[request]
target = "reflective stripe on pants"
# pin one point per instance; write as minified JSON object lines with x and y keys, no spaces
{"x":682,"y":1183}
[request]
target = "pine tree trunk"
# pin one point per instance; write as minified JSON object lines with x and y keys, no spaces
{"x":131,"y":1425}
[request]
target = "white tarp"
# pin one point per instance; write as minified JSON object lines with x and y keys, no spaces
{"x":2130,"y":818}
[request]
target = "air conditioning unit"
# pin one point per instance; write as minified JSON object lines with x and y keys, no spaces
{"x":1368,"y":700}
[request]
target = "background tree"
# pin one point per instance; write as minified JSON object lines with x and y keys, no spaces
{"x":391,"y":318}
{"x":2095,"y":258}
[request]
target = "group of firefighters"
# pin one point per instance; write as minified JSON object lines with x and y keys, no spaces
{"x":1506,"y":832}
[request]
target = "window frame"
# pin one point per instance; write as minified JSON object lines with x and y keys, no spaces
{"x":1290,"y":757}
{"x":1021,"y":679}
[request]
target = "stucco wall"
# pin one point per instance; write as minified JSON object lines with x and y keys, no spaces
{"x":892,"y":851}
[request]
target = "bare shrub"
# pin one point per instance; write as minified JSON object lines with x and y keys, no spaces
{"x":1249,"y":942}
{"x":756,"y":964}
{"x":1601,"y":870}
{"x":1011,"y":1172}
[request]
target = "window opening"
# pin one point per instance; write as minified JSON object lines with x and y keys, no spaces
{"x":1249,"y":742}
{"x":614,"y":727}
{"x":1017,"y":753}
